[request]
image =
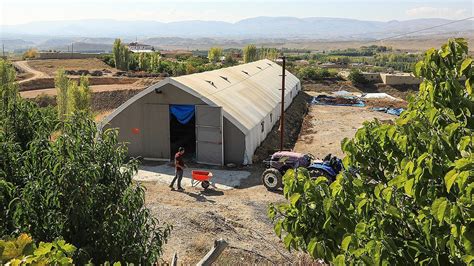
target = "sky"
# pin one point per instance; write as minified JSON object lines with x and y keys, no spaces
{"x":24,"y":11}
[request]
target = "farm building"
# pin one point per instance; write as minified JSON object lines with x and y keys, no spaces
{"x":219,"y":116}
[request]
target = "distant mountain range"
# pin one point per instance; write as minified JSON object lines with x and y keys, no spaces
{"x":53,"y":34}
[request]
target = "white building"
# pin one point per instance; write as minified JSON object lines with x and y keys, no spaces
{"x":136,"y":47}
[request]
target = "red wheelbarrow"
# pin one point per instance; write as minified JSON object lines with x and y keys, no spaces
{"x":202,"y":177}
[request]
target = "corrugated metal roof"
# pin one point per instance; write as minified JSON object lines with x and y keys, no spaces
{"x":247,"y":93}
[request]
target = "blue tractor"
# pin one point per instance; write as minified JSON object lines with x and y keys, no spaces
{"x":329,"y":167}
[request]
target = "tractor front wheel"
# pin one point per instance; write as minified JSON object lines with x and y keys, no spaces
{"x":272,"y":179}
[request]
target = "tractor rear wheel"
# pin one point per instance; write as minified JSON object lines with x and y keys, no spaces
{"x":272,"y":179}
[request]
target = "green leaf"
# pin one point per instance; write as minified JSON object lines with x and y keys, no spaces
{"x":418,"y":68}
{"x":387,"y":194}
{"x":43,"y":249}
{"x":464,"y":163}
{"x":361,"y":205}
{"x":277,"y":228}
{"x":392,"y":210}
{"x":468,"y":86}
{"x":345,"y":242}
{"x":294,"y":198}
{"x":398,"y":181}
{"x":340,"y":260}
{"x":409,"y":187}
{"x":288,"y":240}
{"x":465,"y":64}
{"x":451,"y":129}
{"x":312,"y":247}
{"x":320,"y":180}
{"x":360,"y":229}
{"x":449,"y":179}
{"x":468,"y":259}
{"x":438,"y":209}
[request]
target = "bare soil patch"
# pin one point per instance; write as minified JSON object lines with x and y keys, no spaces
{"x":102,"y":101}
{"x":326,"y":126}
{"x":48,"y":83}
{"x":51,"y":66}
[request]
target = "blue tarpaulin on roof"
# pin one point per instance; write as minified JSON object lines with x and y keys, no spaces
{"x":183,"y":113}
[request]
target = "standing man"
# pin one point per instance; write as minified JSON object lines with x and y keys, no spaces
{"x":179,"y":167}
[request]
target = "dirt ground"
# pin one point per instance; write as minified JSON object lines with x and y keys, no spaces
{"x":94,"y":88}
{"x":325,"y":126}
{"x":50,"y":66}
{"x":239,"y":216}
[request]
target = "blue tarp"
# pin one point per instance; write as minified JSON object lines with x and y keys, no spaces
{"x":391,"y":111}
{"x":183,"y":113}
{"x":338,"y":101}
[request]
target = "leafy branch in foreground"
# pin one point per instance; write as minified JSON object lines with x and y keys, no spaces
{"x":412,"y":198}
{"x":65,"y":179}
{"x":23,"y":251}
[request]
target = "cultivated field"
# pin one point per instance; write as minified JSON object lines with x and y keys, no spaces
{"x":52,"y":65}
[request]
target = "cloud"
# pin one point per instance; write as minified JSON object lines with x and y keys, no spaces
{"x":436,"y":12}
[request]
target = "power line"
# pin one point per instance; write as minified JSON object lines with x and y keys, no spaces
{"x":429,"y":28}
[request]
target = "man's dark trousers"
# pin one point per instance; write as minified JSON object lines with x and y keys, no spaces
{"x":178,"y":176}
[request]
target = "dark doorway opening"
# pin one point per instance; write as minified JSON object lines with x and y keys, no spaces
{"x":183,"y":135}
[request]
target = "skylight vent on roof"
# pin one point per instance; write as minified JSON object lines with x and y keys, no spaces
{"x":259,"y":67}
{"x":245,"y":72}
{"x":212,"y":83}
{"x":225,"y":78}
{"x":269,"y":64}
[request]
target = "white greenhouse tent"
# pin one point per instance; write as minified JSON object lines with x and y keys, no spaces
{"x":219,"y":116}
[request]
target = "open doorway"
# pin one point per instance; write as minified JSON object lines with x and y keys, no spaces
{"x":183,"y":130}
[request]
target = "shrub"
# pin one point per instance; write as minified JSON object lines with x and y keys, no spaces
{"x":313,"y":73}
{"x":356,"y":77}
{"x":30,"y":54}
{"x":411,"y":199}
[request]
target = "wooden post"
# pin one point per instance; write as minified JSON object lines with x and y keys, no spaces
{"x":213,"y":254}
{"x":174,"y":262}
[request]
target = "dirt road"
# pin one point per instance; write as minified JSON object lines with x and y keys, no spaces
{"x":23,"y":65}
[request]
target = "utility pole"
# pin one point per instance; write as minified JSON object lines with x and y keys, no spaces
{"x":282,"y":117}
{"x":3,"y":51}
{"x":72,"y":50}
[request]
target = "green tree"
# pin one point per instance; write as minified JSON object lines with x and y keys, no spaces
{"x":229,"y":60}
{"x":79,"y":96}
{"x":61,"y":82}
{"x":121,"y":55}
{"x":155,"y":62}
{"x":76,"y":186}
{"x":268,"y":53}
{"x":250,"y":53}
{"x":214,"y":54}
{"x":407,"y":193}
{"x":117,"y":52}
{"x":356,"y":77}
